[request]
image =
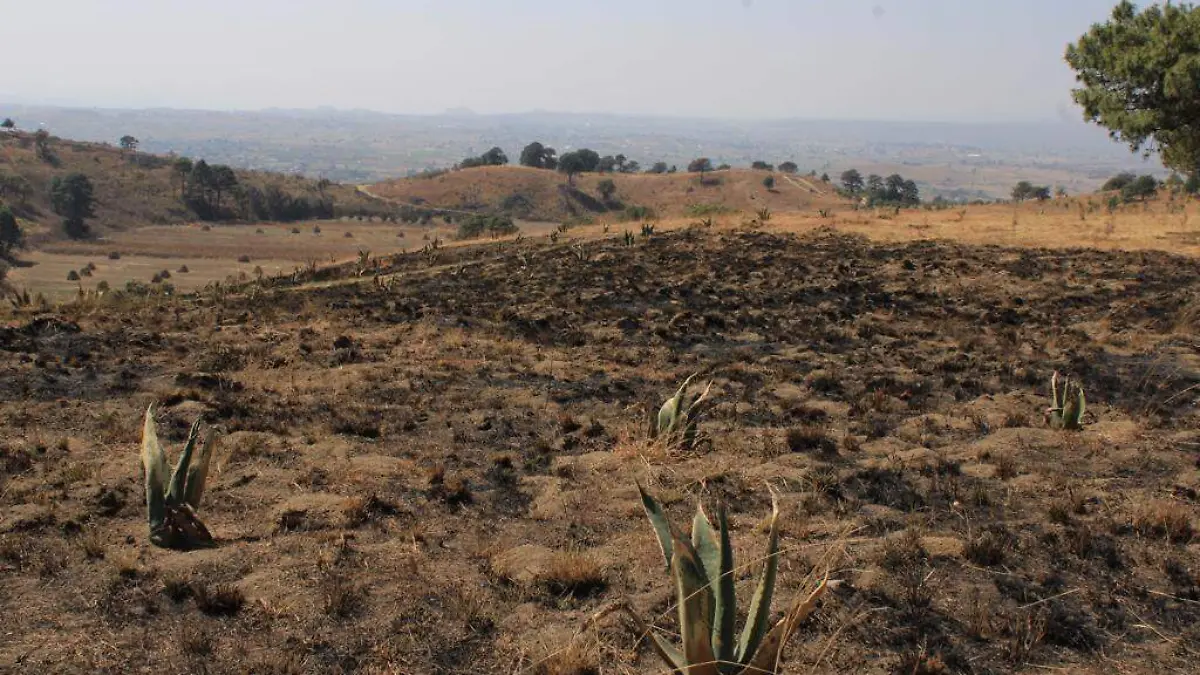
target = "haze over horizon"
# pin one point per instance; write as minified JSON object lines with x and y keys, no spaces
{"x":917,"y":60}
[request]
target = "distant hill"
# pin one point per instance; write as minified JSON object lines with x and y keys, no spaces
{"x":365,"y":147}
{"x":130,"y":188}
{"x":539,"y":194}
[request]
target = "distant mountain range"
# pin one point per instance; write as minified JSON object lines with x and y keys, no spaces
{"x":961,"y":160}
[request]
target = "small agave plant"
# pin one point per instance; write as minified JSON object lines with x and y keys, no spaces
{"x":679,"y":417}
{"x":1067,"y":404}
{"x":703,"y":571}
{"x":171,"y":506}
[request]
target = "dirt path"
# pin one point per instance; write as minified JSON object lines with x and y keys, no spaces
{"x":803,"y":184}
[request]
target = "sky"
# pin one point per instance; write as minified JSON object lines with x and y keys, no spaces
{"x":904,"y":60}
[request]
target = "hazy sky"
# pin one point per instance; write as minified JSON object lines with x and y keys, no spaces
{"x":936,"y":60}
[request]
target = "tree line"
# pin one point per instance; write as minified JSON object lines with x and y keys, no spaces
{"x":585,"y":160}
{"x":214,"y":192}
{"x":895,"y":190}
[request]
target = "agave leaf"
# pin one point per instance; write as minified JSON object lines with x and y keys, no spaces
{"x":665,"y":650}
{"x":1055,"y":401}
{"x":154,"y":463}
{"x":695,"y":607}
{"x":197,"y":473}
{"x":760,"y":605}
{"x":670,"y":413}
{"x":769,"y":655}
{"x":725,"y":605}
{"x":179,"y":477}
{"x":658,"y":520}
{"x":1072,"y":414}
{"x":708,"y":549}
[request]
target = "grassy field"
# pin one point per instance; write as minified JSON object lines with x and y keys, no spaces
{"x":213,"y":254}
{"x":669,"y":195}
{"x":432,"y":469}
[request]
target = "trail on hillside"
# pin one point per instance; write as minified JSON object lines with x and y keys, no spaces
{"x":803,"y":184}
{"x":365,"y":191}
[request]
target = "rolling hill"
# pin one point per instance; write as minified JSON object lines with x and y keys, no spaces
{"x":538,"y":194}
{"x":130,"y":188}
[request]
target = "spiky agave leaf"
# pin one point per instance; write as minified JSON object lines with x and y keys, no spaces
{"x":769,"y":655}
{"x":665,"y":650}
{"x":695,"y":600}
{"x":197,"y":474}
{"x":758,"y":619}
{"x":658,"y":520}
{"x":670,"y":413}
{"x":179,"y":476}
{"x":725,"y":607}
{"x":1074,"y":407}
{"x":718,"y":567}
{"x":154,"y":465}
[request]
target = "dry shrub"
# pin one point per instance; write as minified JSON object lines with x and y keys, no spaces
{"x":1023,"y":633}
{"x":222,"y":600}
{"x":575,"y":659}
{"x":1006,"y":467}
{"x":574,"y":574}
{"x":902,"y":552}
{"x":342,"y":598}
{"x":194,"y":641}
{"x":453,"y":490}
{"x":809,"y":438}
{"x":989,"y":547}
{"x":1164,"y":520}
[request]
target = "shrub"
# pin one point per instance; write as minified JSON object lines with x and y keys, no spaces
{"x":494,"y":226}
{"x":639,"y":213}
{"x":114,"y":255}
{"x":72,"y":276}
{"x":243,"y":258}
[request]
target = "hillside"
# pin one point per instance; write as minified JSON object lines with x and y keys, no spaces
{"x":130,"y":188}
{"x":537,"y":194}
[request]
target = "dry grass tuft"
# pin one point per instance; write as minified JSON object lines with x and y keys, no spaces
{"x":574,"y":660}
{"x":810,"y":438}
{"x":222,"y":600}
{"x":342,"y":597}
{"x":574,"y":574}
{"x":1164,"y":520}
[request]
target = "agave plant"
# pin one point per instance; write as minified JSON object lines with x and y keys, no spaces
{"x":171,"y":506}
{"x":703,"y":571}
{"x":679,"y":417}
{"x":1067,"y":404}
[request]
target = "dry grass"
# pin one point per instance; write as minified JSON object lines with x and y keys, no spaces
{"x":574,"y":574}
{"x":478,"y":503}
{"x":1165,"y":520}
{"x":668,"y":195}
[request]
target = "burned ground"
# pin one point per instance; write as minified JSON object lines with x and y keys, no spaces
{"x":433,"y":470}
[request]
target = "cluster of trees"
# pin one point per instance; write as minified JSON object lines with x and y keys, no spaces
{"x":894,"y":190}
{"x":493,"y":226}
{"x":214,"y":192}
{"x":584,"y":160}
{"x":1132,"y":186}
{"x":14,"y":188}
{"x":11,"y":235}
{"x":73,"y":197}
{"x":1025,"y":190}
{"x":493,"y":157}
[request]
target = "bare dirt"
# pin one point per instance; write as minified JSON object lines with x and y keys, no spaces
{"x":433,"y":471}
